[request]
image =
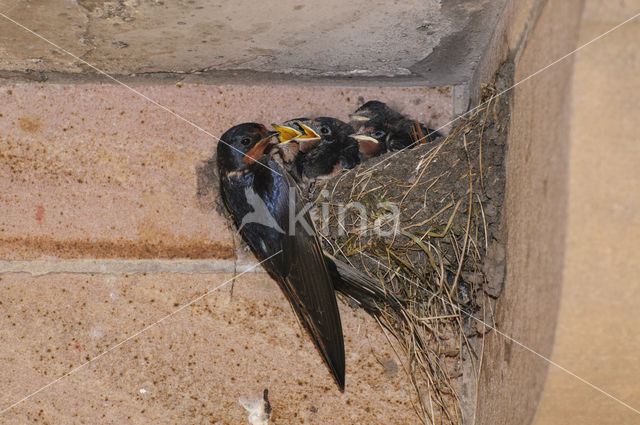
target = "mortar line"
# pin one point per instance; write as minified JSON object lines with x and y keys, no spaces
{"x":124,"y":266}
{"x":198,"y":298}
{"x":159,"y":105}
{"x":504,"y":335}
{"x":499,"y":94}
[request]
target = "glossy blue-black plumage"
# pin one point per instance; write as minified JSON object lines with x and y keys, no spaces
{"x":298,"y":264}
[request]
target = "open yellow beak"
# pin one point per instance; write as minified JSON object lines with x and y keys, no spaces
{"x":364,"y":138}
{"x":309,"y":134}
{"x":286,"y":134}
{"x":355,"y":117}
{"x":367,"y":145}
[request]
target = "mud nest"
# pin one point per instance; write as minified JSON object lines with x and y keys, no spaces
{"x":430,"y":230}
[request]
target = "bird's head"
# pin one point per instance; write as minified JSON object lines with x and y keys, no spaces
{"x":325,"y":129}
{"x":372,"y":139}
{"x":243,"y":145}
{"x":370,"y":111}
{"x":288,"y":131}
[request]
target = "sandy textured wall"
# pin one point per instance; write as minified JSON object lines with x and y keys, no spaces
{"x":597,"y":336}
{"x":536,"y":214}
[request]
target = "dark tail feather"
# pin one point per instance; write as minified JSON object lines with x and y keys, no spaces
{"x":428,"y":134}
{"x":367,"y":293}
{"x":421,"y":134}
{"x":375,"y":300}
{"x":393,"y":314}
{"x":433,"y":134}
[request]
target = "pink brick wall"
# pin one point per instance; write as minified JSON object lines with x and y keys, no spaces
{"x":97,"y":171}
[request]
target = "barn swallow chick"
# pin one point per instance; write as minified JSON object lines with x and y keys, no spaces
{"x":288,"y":130}
{"x":324,"y":147}
{"x":298,"y":131}
{"x":291,"y":129}
{"x":408,"y":133}
{"x":374,"y":110}
{"x":294,"y":137}
{"x":401,"y":132}
{"x":254,"y":183}
{"x":372,"y":140}
{"x":378,"y":137}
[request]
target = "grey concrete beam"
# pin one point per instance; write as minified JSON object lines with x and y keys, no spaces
{"x":426,"y":43}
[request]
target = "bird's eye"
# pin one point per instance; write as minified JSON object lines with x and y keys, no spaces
{"x":378,"y":134}
{"x":324,"y":130}
{"x":246,"y":141}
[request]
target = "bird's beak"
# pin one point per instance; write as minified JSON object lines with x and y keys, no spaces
{"x":256,"y":152}
{"x":367,"y":144}
{"x":309,"y":134}
{"x":268,"y":137}
{"x":286,"y":134}
{"x":356,"y":117}
{"x":364,"y":138}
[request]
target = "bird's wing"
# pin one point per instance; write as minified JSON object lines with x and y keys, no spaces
{"x":311,"y":292}
{"x":305,"y":280}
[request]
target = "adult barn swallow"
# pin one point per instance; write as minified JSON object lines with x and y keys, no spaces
{"x":292,"y":254}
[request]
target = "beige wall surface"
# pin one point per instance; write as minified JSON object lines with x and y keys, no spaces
{"x":99,"y":192}
{"x":98,"y":171}
{"x":136,"y":355}
{"x":535,"y":214}
{"x":598,"y":335}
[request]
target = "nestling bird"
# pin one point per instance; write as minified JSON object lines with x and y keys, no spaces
{"x":374,"y":110}
{"x":381,"y":137}
{"x":324,"y":147}
{"x":375,"y":120}
{"x":408,"y":133}
{"x":293,"y":129}
{"x":372,"y":139}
